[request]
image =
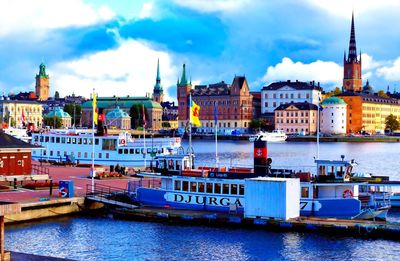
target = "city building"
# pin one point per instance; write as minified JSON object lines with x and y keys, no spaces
{"x":232,"y":104}
{"x":42,"y":87}
{"x":170,"y":115}
{"x":58,"y":112}
{"x":333,"y":116}
{"x":118,"y":119}
{"x":158,"y":93}
{"x":107,"y":104}
{"x":296,"y":118}
{"x":20,"y":113}
{"x":279,"y":93}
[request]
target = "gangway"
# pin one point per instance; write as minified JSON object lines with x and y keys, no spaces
{"x":109,"y":195}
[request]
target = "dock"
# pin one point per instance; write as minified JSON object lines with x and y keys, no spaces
{"x":356,"y":228}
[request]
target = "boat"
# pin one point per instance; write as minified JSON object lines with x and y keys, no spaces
{"x":274,"y":136}
{"x":22,"y":134}
{"x":75,"y":146}
{"x":329,"y":192}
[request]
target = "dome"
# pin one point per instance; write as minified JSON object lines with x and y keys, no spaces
{"x":117,"y":113}
{"x":58,"y":112}
{"x":333,"y":100}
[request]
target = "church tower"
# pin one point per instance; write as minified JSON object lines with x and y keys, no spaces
{"x":158,"y":93}
{"x":184,"y":88}
{"x":42,"y":87}
{"x":352,"y":64}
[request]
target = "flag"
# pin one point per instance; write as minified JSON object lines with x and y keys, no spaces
{"x":95,"y":114}
{"x":144,"y":116}
{"x":194,"y":113}
{"x":215,"y":113}
{"x":23,"y":117}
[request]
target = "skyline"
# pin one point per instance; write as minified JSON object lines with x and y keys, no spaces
{"x":114,"y":47}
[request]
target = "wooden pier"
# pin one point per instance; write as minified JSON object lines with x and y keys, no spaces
{"x":357,"y":228}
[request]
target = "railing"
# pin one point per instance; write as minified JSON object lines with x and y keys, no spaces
{"x":143,"y":183}
{"x":103,"y":191}
{"x":40,"y":169}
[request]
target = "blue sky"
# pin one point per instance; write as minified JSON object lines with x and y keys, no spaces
{"x":113,"y":46}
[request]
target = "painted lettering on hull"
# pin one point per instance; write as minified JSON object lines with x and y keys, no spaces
{"x":204,"y":199}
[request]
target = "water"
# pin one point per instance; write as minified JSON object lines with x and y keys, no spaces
{"x":94,"y":238}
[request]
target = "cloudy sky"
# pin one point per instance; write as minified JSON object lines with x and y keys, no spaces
{"x":113,"y":46}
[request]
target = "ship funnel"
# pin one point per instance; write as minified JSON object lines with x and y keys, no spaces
{"x":261,"y":164}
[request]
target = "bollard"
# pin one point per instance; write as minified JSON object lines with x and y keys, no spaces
{"x":51,"y":188}
{"x":15,"y":183}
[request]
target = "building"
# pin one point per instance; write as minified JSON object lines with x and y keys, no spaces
{"x":118,"y":119}
{"x":21,"y":113}
{"x":42,"y":87}
{"x":232,"y":104}
{"x":107,"y":104}
{"x":170,"y":115}
{"x":158,"y":93}
{"x":297,"y":118}
{"x":256,"y":104}
{"x":279,"y":93}
{"x":352,"y":64}
{"x":333,"y":116}
{"x":58,"y":112}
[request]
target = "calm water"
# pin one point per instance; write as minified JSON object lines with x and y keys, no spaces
{"x":89,"y":238}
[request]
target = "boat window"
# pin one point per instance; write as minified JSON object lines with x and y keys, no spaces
{"x":177,"y":185}
{"x":137,"y":151}
{"x":79,"y":154}
{"x":96,"y":141}
{"x":125,"y":151}
{"x":79,"y":140}
{"x":41,"y":138}
{"x":107,"y":155}
{"x":58,"y":153}
{"x":89,"y":141}
{"x":340,"y":171}
{"x":184,"y":186}
{"x":209,"y":187}
{"x":47,"y":139}
{"x":52,"y":139}
{"x":131,"y":151}
{"x":65,"y":153}
{"x":201,"y":187}
{"x":170,"y":164}
{"x":241,"y":189}
{"x":225,"y":188}
{"x":149,"y":150}
{"x":85,"y":155}
{"x":177,"y":166}
{"x":332,"y":171}
{"x":217,"y":188}
{"x":62,"y":139}
{"x":68,"y":140}
{"x":99,"y":155}
{"x":44,"y":152}
{"x":193,"y":186}
{"x":51,"y":153}
{"x":321,"y":170}
{"x":304,"y":192}
{"x":73,"y":140}
{"x":119,"y":151}
{"x":58,"y":140}
{"x":84,"y":141}
{"x":234,"y":189}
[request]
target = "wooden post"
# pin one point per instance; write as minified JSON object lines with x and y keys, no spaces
{"x":2,"y":237}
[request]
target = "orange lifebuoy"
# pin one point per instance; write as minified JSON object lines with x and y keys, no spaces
{"x":347,"y":193}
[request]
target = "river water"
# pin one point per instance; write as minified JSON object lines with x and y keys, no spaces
{"x":103,"y":238}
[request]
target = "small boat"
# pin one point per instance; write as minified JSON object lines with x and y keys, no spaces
{"x":22,"y":134}
{"x":274,"y":136}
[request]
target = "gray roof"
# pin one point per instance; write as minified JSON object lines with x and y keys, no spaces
{"x":9,"y":142}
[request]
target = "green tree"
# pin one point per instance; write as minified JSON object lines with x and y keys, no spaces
{"x":166,"y":124}
{"x":392,"y":123}
{"x":382,"y":93}
{"x":78,"y":112}
{"x":258,"y":124}
{"x":56,"y":95}
{"x":54,"y":122}
{"x":136,"y":114}
{"x":334,"y":92}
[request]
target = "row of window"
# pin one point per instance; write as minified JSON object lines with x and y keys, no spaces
{"x":208,"y":187}
{"x":292,"y":114}
{"x":65,"y":140}
{"x":140,"y":151}
{"x":286,"y":96}
{"x":293,"y":121}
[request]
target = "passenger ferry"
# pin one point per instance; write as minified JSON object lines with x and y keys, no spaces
{"x":274,"y":136}
{"x":328,"y":193}
{"x":122,"y":149}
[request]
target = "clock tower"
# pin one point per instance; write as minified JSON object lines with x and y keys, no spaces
{"x":184,"y":89}
{"x":352,"y":64}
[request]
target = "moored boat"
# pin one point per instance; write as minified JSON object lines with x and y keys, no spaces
{"x":274,"y":136}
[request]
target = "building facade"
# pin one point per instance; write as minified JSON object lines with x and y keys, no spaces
{"x":279,"y":93}
{"x":42,"y":87}
{"x":58,"y":112}
{"x":118,"y":119}
{"x":20,"y":113}
{"x":296,"y":118}
{"x":333,"y":116}
{"x":230,"y":103}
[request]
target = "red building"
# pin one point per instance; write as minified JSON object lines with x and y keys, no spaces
{"x":15,"y":156}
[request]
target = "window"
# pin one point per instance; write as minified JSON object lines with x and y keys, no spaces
{"x":185,"y":186}
{"x":119,"y":151}
{"x":177,"y":185}
{"x":217,"y":188}
{"x":241,"y":189}
{"x":234,"y":189}
{"x":225,"y":188}
{"x":209,"y":187}
{"x":304,"y":192}
{"x":193,"y":186}
{"x":201,"y":187}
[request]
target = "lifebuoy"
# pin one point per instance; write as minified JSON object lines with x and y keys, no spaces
{"x":63,"y":192}
{"x":122,"y":142}
{"x":347,"y":193}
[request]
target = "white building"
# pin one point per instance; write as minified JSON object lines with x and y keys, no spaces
{"x":279,"y":93}
{"x":333,"y":116}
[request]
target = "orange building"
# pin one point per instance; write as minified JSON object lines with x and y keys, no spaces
{"x":42,"y":88}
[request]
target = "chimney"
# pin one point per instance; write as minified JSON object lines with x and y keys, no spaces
{"x":260,"y":157}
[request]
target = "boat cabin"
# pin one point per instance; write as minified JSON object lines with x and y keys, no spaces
{"x":171,"y":165}
{"x":334,"y":170}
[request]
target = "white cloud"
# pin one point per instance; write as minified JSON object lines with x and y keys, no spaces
{"x":390,"y":72}
{"x":320,"y":71}
{"x":368,"y":62}
{"x":147,"y":10}
{"x":128,"y":70}
{"x":20,"y":16}
{"x":213,"y":6}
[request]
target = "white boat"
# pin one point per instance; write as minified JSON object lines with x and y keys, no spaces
{"x":75,"y":146}
{"x":274,"y":136}
{"x":21,"y":134}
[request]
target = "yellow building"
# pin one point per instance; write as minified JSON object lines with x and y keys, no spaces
{"x":14,"y":113}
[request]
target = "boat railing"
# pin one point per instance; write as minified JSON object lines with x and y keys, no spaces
{"x":133,"y":185}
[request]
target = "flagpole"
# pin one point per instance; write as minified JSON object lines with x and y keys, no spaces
{"x":144,"y":137}
{"x":216,"y":134}
{"x":190,"y":130}
{"x":319,"y":98}
{"x":94,"y":114}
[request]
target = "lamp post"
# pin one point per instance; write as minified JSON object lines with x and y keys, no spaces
{"x":74,"y":115}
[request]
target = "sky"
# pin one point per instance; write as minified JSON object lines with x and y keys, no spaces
{"x":113,"y":46}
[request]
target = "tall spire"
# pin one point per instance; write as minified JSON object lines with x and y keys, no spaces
{"x":352,"y":45}
{"x":184,"y":80}
{"x":158,"y":79}
{"x":158,"y":86}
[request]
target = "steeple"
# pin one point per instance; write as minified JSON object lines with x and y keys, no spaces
{"x":184,"y":80}
{"x":158,"y":86}
{"x":352,"y":44}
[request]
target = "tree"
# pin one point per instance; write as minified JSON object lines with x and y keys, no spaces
{"x":334,"y":92}
{"x":54,"y":122}
{"x":392,"y":123}
{"x":56,"y":95}
{"x":382,"y":93}
{"x":78,"y":112}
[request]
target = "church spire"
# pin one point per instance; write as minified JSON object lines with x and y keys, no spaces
{"x":352,"y":45}
{"x":158,"y":86}
{"x":184,"y":80}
